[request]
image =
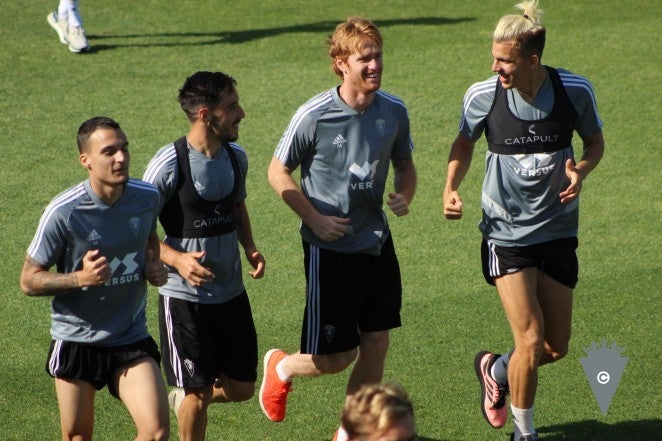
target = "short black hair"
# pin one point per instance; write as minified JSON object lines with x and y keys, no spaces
{"x":90,"y":126}
{"x":204,"y":89}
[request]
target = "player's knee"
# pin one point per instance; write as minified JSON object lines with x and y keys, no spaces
{"x":532,"y":346}
{"x":376,"y":342}
{"x":558,"y":351}
{"x":158,"y":433}
{"x":198,"y":399}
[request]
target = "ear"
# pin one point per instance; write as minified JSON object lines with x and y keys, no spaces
{"x":534,"y":61}
{"x":203,"y":113}
{"x":85,"y":161}
{"x":341,"y":65}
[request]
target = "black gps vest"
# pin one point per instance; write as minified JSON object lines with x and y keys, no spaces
{"x":186,"y":214}
{"x":508,"y":135}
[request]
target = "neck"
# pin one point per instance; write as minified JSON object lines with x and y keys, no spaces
{"x":107,"y":193}
{"x":202,"y":139}
{"x":530,"y":89}
{"x":356,"y":100}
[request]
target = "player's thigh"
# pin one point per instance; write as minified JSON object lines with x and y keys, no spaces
{"x":143,"y":392}
{"x":520,"y":303}
{"x":76,"y":404}
{"x":555,"y":301}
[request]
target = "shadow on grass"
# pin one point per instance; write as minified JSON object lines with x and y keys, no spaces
{"x":592,"y":430}
{"x":237,"y":37}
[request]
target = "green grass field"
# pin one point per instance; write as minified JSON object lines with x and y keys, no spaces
{"x":141,"y":53}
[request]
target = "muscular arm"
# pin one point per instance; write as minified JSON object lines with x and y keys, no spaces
{"x":187,"y":264}
{"x":37,"y":280}
{"x":281,"y":180}
{"x":155,"y":272}
{"x":325,"y":227}
{"x":594,"y":148}
{"x":245,"y":237}
{"x":404,"y":181}
{"x":459,"y":161}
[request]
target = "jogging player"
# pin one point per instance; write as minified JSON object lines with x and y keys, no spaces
{"x":344,"y":140}
{"x":208,"y":338}
{"x":100,"y":235}
{"x":530,"y":203}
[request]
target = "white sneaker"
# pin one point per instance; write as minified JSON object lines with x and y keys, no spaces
{"x":175,"y":398}
{"x":60,"y":26}
{"x":77,"y":40}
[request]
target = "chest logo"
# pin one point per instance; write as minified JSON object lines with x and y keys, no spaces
{"x":93,"y":237}
{"x":339,"y":141}
{"x":364,"y":171}
{"x":380,"y":124}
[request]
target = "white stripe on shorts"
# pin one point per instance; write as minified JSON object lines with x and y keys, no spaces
{"x":313,"y":300}
{"x":493,"y":260}
{"x":54,"y":361}
{"x":175,"y":361}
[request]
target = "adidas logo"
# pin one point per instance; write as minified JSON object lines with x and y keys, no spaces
{"x":93,"y":236}
{"x":339,"y":141}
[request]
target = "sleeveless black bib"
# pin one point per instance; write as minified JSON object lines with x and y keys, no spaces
{"x":508,"y":135}
{"x":186,"y":214}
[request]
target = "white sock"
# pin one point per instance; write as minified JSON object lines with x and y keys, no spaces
{"x":499,"y":370}
{"x":523,"y":420}
{"x":281,"y":374}
{"x":63,"y":10}
{"x":74,"y":17}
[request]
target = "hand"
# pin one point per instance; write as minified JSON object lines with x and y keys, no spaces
{"x":398,"y":204}
{"x":327,"y":228}
{"x":188,"y":266}
{"x":155,"y":272}
{"x":256,"y":259}
{"x":452,"y":205}
{"x":96,"y":269}
{"x":572,"y":192}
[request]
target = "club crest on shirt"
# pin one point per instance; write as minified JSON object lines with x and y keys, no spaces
{"x":380,"y":124}
{"x":134,"y":223}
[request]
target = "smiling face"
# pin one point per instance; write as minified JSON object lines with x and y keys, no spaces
{"x":513,"y":69}
{"x":223,"y":120}
{"x":362,"y":69}
{"x":106,"y":156}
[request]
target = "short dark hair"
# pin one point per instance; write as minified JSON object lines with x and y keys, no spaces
{"x":92,"y":125}
{"x":204,"y":89}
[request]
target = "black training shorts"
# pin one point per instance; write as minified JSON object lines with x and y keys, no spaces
{"x":556,"y":258}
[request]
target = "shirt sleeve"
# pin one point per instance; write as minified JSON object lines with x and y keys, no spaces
{"x":581,"y":95}
{"x":404,"y":144}
{"x":476,"y":105}
{"x":298,"y":139}
{"x":49,"y":241}
{"x":242,"y":160}
{"x":162,"y":172}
